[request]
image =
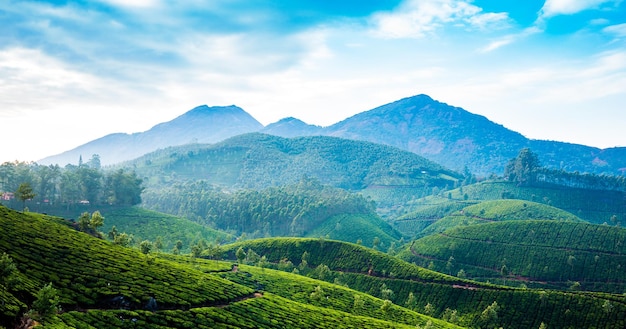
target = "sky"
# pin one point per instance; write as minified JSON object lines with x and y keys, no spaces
{"x":74,"y":71}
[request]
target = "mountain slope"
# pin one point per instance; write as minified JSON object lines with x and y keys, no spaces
{"x":257,"y":160}
{"x":538,"y":253}
{"x":101,"y":285}
{"x":456,"y":138}
{"x":202,"y":124}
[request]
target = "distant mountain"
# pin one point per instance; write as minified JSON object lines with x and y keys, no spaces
{"x":292,"y":127}
{"x":457,"y":138}
{"x":448,"y":135}
{"x":202,"y":124}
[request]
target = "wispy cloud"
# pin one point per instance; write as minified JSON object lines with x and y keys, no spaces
{"x":509,"y":39}
{"x":417,"y":18}
{"x":618,"y":30}
{"x":567,"y":7}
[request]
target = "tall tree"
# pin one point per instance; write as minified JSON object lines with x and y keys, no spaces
{"x":25,"y":192}
{"x":523,"y":169}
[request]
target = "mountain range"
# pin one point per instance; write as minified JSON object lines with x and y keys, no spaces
{"x":448,"y":135}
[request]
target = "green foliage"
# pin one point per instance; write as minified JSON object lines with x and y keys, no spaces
{"x":259,"y":161}
{"x":71,"y":186}
{"x":336,"y":255}
{"x":532,"y":251}
{"x":293,"y":210}
{"x":88,"y":271}
{"x":594,"y":205}
{"x":523,"y":169}
{"x":46,"y":304}
{"x":145,"y":247}
{"x":149,"y":225}
{"x":352,"y":227}
{"x":25,"y":192}
{"x":497,"y":210}
{"x":8,"y":271}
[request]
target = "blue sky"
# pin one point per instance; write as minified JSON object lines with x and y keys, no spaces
{"x":73,"y":71}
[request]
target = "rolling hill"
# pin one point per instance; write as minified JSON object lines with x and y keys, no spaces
{"x":99,"y":285}
{"x":565,"y":255}
{"x":258,"y":161}
{"x":483,"y":212}
{"x":455,"y":299}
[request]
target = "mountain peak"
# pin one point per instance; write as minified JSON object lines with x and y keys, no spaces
{"x":213,"y":110}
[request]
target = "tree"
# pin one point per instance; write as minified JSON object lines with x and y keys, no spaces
{"x":113,"y":233}
{"x":429,"y":309}
{"x":386,"y":306}
{"x":96,"y":221}
{"x":84,"y":221}
{"x":410,"y":301}
{"x":24,"y":192}
{"x":385,"y":293}
{"x":359,"y":304}
{"x":318,"y":293}
{"x":122,"y":239}
{"x":240,"y":254}
{"x":46,"y":303}
{"x":8,"y":271}
{"x":489,"y":315}
{"x":523,"y":169}
{"x":145,"y":247}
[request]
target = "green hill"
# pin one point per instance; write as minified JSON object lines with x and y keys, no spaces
{"x":595,"y":206}
{"x":104,"y":285}
{"x":258,"y":161}
{"x":150,"y":225}
{"x":352,"y":228}
{"x":496,"y":210}
{"x":564,"y":255}
{"x":457,"y":300}
{"x":303,"y":209}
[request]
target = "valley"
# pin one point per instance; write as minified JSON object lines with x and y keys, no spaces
{"x":424,"y":223}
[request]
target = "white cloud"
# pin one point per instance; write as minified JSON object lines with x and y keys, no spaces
{"x":508,"y":39}
{"x":568,"y":7}
{"x":417,"y":18}
{"x":618,"y":30}
{"x":133,"y":3}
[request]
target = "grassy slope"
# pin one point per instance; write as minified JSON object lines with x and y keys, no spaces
{"x":88,"y":271}
{"x":145,"y":224}
{"x":591,"y":205}
{"x":148,"y":225}
{"x":498,"y":210}
{"x":519,"y":308}
{"x":351,"y":228}
{"x":552,"y":252}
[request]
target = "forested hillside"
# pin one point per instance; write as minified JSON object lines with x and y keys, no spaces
{"x":291,"y":210}
{"x":71,"y":186}
{"x":258,"y":161}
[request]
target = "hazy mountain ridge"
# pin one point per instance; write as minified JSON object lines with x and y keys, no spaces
{"x":202,"y":124}
{"x":448,"y":135}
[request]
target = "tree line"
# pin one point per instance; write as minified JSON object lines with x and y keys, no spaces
{"x":73,"y":184}
{"x":526,"y":170}
{"x":290,"y":210}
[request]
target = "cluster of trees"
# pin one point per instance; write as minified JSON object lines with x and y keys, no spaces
{"x":85,"y":182}
{"x":526,"y":170}
{"x":290,"y":210}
